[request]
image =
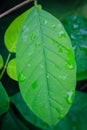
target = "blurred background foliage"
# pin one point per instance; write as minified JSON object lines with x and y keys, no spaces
{"x":24,"y":119}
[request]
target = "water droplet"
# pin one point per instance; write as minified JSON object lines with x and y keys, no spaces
{"x":70,"y":96}
{"x":59,"y":25}
{"x":34,"y":85}
{"x":33,"y":36}
{"x":74,"y":18}
{"x":61,"y":34}
{"x":47,"y":76}
{"x":75,"y":26}
{"x":74,"y":47}
{"x":24,"y":28}
{"x":60,"y":50}
{"x":41,"y":65}
{"x":70,"y":66}
{"x":45,"y":22}
{"x":53,"y":26}
{"x":21,"y":77}
{"x":37,"y":44}
{"x":63,"y":77}
{"x":72,"y":37}
{"x":83,"y":32}
{"x":29,"y":65}
{"x":25,"y":38}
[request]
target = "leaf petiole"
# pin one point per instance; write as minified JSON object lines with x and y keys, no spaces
{"x":5,"y":66}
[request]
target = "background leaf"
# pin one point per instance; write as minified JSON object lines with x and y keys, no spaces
{"x":10,"y":121}
{"x":1,"y":62}
{"x":46,"y":66}
{"x":76,"y":27}
{"x":4,"y":100}
{"x":11,"y":69}
{"x":13,"y":31}
{"x":75,"y":119}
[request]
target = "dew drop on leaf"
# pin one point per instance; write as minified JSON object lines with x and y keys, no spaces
{"x":75,"y":26}
{"x":74,"y":18}
{"x":61,"y":34}
{"x":37,"y":44}
{"x":53,"y":26}
{"x":63,"y":77}
{"x":72,"y":37}
{"x":41,"y":65}
{"x":21,"y":77}
{"x":33,"y":36}
{"x":83,"y":32}
{"x":45,"y":22}
{"x":60,"y":50}
{"x":25,"y":38}
{"x":29,"y":65}
{"x":47,"y":76}
{"x":70,"y":66}
{"x":34,"y":85}
{"x":69,"y":96}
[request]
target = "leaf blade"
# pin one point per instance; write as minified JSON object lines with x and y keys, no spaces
{"x":39,"y":73}
{"x":11,"y":69}
{"x":15,"y":27}
{"x":4,"y":100}
{"x":76,"y":27}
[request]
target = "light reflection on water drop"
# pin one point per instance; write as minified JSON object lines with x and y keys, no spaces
{"x":45,"y":22}
{"x":61,"y":34}
{"x":21,"y":77}
{"x":75,"y":26}
{"x":70,"y":96}
{"x":33,"y":36}
{"x":53,"y":26}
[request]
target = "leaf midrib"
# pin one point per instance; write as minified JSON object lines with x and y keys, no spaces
{"x":45,"y":64}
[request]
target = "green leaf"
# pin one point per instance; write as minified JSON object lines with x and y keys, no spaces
{"x":46,"y":66}
{"x":11,"y":69}
{"x":75,"y":119}
{"x":4,"y":100}
{"x":1,"y":62}
{"x":13,"y":31}
{"x":27,"y":114}
{"x":76,"y":27}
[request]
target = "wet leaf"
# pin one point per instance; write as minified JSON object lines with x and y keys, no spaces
{"x":76,"y":27}
{"x":75,"y":119}
{"x":13,"y":31}
{"x":46,"y":66}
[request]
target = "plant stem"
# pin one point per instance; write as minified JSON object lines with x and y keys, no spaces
{"x":15,"y":8}
{"x":5,"y":66}
{"x":35,"y":2}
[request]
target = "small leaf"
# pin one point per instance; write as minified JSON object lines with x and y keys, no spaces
{"x":13,"y":31}
{"x":11,"y":69}
{"x":4,"y":100}
{"x":46,"y":66}
{"x":76,"y":27}
{"x":1,"y":62}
